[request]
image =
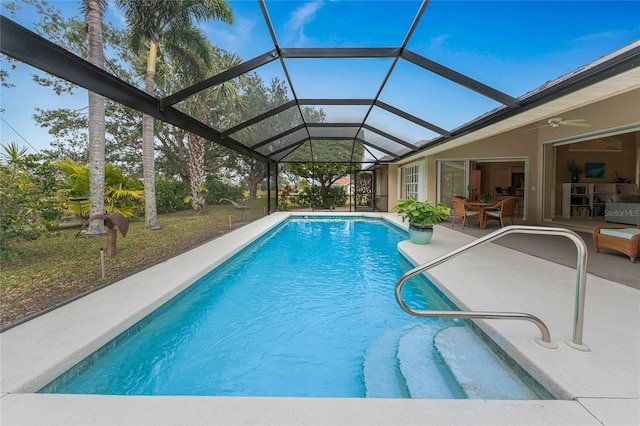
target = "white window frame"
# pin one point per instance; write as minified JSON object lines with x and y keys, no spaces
{"x":411,"y":180}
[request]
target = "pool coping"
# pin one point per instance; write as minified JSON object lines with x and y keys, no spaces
{"x":36,"y":352}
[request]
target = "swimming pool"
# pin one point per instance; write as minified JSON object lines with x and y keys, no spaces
{"x":307,"y":310}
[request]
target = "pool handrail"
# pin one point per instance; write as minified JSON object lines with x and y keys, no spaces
{"x":545,"y":340}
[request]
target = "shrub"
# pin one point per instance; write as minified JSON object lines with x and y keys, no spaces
{"x":337,"y":196}
{"x":28,"y":206}
{"x":217,"y":190}
{"x":310,"y":196}
{"x":171,"y":194}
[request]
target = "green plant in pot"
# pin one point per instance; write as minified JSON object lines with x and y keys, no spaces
{"x":484,"y":198}
{"x":575,"y":170}
{"x":421,"y":215}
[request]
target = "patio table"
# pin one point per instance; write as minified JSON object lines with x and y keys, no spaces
{"x":483,"y":206}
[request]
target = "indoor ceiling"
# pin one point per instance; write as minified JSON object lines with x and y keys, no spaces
{"x":376,"y":76}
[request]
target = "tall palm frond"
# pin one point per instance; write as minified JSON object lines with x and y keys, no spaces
{"x":12,"y":153}
{"x":121,"y":193}
{"x":77,"y":177}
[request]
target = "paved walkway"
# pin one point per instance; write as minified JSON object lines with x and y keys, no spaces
{"x":609,"y":264}
{"x":601,"y":386}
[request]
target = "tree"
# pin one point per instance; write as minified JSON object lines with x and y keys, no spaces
{"x":28,"y":185}
{"x":69,"y":126}
{"x":324,"y":172}
{"x":69,"y":130}
{"x":94,"y":9}
{"x":187,"y":151}
{"x":259,"y":98}
{"x":122,"y":193}
{"x":151,"y":23}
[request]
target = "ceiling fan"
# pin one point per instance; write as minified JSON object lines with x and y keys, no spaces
{"x":556,"y":122}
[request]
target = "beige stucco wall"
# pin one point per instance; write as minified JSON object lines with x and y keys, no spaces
{"x":393,"y":186}
{"x":619,"y":112}
{"x":517,"y":144}
{"x":528,"y":143}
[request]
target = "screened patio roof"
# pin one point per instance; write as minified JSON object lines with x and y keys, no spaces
{"x":422,"y":74}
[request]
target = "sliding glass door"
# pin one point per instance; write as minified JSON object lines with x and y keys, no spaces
{"x":453,"y":179}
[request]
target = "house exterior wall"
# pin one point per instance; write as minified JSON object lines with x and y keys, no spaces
{"x":535,"y":146}
{"x":620,"y":111}
{"x":516,"y":144}
{"x":382,"y":187}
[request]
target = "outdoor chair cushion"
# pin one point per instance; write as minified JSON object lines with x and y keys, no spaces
{"x":624,"y":240}
{"x":625,"y":233}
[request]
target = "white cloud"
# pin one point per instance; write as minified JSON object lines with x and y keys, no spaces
{"x":299,"y":18}
{"x":439,"y":41}
{"x":232,"y":38}
{"x":605,"y":35}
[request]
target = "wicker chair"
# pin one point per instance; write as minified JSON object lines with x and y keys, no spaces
{"x":624,"y":240}
{"x":464,"y":211}
{"x":505,"y":208}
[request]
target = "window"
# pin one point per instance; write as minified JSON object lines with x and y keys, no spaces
{"x":411,"y":184}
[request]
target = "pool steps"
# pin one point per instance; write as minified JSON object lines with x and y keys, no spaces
{"x":424,"y":374}
{"x":480,"y":372}
{"x":382,"y":377}
{"x":425,"y":362}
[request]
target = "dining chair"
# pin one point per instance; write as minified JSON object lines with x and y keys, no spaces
{"x":464,"y":211}
{"x":505,"y":208}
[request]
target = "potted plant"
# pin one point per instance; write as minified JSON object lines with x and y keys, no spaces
{"x":485,"y":198}
{"x":421,"y":215}
{"x":575,"y":170}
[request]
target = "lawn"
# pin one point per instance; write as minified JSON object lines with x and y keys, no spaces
{"x":51,"y":270}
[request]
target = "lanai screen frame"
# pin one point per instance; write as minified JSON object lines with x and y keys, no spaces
{"x":28,"y":47}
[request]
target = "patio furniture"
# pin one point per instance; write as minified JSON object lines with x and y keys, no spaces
{"x":482,"y":207}
{"x":505,"y":208}
{"x":465,"y":211}
{"x":624,"y":240}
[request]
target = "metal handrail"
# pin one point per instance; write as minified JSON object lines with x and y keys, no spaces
{"x":581,"y":280}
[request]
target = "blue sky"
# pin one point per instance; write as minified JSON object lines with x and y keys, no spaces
{"x":514,"y":46}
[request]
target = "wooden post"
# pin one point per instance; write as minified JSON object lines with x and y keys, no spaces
{"x":112,"y":234}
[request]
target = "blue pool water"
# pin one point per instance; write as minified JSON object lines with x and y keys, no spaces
{"x":307,"y":310}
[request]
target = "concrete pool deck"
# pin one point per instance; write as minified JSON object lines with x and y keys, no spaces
{"x":601,"y":386}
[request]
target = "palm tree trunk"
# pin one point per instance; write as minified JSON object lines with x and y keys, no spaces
{"x":96,"y":123}
{"x":196,"y":172}
{"x":148,"y":148}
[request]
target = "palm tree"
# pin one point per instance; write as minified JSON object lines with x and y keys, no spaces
{"x":94,"y":9}
{"x":159,"y":25}
{"x":203,"y":107}
{"x":122,"y":194}
{"x":213,"y":106}
{"x":12,"y":153}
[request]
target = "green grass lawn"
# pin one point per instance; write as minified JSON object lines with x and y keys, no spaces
{"x":52,"y":269}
